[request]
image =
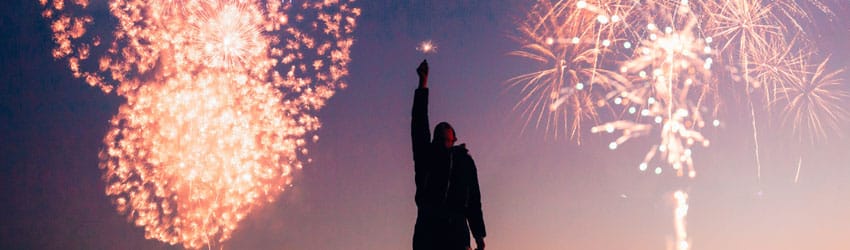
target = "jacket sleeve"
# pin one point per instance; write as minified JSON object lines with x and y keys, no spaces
{"x":419,"y":128}
{"x":474,"y":214}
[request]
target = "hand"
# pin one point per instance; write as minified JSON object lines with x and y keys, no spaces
{"x":479,"y":243}
{"x":422,"y":71}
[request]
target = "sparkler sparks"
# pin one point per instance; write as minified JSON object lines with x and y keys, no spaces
{"x":427,"y":47}
{"x":220,"y":96}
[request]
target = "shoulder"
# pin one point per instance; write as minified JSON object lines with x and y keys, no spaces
{"x":462,"y":151}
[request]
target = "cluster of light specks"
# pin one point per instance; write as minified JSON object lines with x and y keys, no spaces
{"x":641,"y":68}
{"x":221,"y":96}
{"x":654,"y":65}
{"x":647,"y":61}
{"x":670,"y":67}
{"x":568,"y":39}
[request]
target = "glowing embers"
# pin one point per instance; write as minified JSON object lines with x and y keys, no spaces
{"x":654,"y":68}
{"x":187,"y":163}
{"x":220,"y":96}
{"x":226,"y":35}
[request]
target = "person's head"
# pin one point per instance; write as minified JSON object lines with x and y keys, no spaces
{"x":444,"y":135}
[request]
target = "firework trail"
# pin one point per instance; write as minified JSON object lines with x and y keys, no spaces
{"x":745,"y":25}
{"x":799,"y":165}
{"x":680,"y":220}
{"x":220,"y":100}
{"x":652,"y":65}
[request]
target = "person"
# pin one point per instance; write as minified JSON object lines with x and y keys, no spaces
{"x":448,"y":198}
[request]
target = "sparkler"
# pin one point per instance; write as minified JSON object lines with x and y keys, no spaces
{"x":651,"y":64}
{"x":220,"y":99}
{"x":427,"y":47}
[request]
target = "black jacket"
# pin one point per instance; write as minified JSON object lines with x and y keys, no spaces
{"x":446,"y":179}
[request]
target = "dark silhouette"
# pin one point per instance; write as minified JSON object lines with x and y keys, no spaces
{"x":447,"y":194}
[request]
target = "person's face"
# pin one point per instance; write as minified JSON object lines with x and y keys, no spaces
{"x":450,"y":137}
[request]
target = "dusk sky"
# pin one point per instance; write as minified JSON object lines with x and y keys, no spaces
{"x":538,"y":191}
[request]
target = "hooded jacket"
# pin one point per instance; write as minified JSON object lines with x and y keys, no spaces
{"x":446,"y":179}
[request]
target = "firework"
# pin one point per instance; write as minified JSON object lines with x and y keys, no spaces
{"x":613,"y":54}
{"x":671,"y":66}
{"x":745,"y":26}
{"x":813,"y":101}
{"x":742,"y":26}
{"x":220,"y":100}
{"x":651,"y":64}
{"x":568,"y":40}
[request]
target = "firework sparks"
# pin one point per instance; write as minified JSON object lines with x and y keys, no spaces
{"x":746,"y":26}
{"x":220,"y":96}
{"x":680,"y":214}
{"x":670,"y":79}
{"x":665,"y":71}
{"x":651,"y":64}
{"x":427,"y":47}
{"x":743,"y":26}
{"x":813,"y":101}
{"x":581,"y":44}
{"x":569,"y":49}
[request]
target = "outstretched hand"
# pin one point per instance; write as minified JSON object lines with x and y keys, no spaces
{"x":422,"y":71}
{"x":479,"y":242}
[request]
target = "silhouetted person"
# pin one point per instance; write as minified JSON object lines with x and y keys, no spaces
{"x":447,"y":194}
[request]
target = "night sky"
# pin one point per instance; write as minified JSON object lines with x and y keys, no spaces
{"x":538,"y":192}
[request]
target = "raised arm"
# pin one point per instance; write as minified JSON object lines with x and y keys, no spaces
{"x":419,"y":128}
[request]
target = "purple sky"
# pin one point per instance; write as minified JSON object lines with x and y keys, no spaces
{"x":538,"y":192}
